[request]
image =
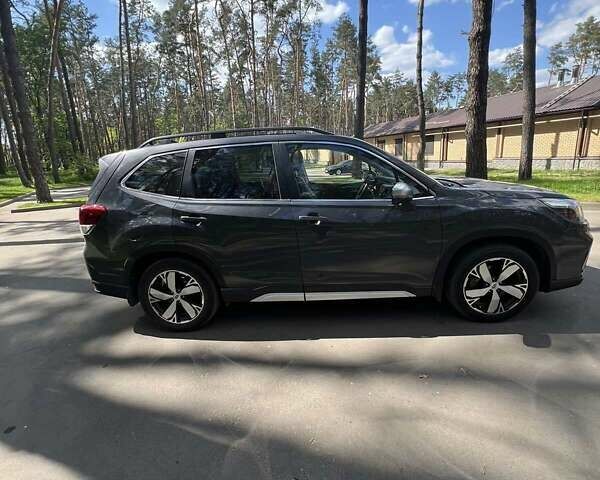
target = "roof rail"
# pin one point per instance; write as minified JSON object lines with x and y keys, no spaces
{"x":233,"y":133}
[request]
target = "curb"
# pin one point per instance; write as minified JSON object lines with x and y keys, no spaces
{"x":595,"y":206}
{"x":15,"y":199}
{"x":37,"y":209}
{"x":20,"y":198}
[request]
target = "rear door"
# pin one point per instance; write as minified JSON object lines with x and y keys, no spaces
{"x":353,"y":242}
{"x":232,"y":214}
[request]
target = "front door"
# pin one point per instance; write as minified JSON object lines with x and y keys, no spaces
{"x":353,"y":242}
{"x":231,"y":214}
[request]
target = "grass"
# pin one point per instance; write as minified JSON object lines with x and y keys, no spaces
{"x":583,"y":185}
{"x":65,"y":202}
{"x":10,"y":185}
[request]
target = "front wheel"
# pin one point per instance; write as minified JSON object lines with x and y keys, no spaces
{"x":493,"y":283}
{"x":176,"y":294}
{"x":338,"y":172}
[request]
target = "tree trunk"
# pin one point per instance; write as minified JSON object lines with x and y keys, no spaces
{"x":72,"y":106}
{"x":131,"y":77}
{"x":419,"y":75}
{"x":54,"y":161}
{"x":525,"y":164}
{"x":124,"y":123}
{"x":15,"y":72}
{"x":359,"y":118}
{"x":13,"y":119}
{"x":15,"y":154}
{"x":3,"y":167}
{"x":477,"y":77}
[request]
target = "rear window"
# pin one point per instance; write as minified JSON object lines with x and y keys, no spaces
{"x":161,"y":174}
{"x":236,"y":172}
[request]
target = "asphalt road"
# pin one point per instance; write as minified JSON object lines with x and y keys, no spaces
{"x":370,"y":390}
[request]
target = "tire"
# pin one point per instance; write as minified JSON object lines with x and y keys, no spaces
{"x":492,"y":283}
{"x":171,"y":309}
{"x":338,"y":172}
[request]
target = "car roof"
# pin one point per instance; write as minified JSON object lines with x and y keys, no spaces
{"x":248,"y":139}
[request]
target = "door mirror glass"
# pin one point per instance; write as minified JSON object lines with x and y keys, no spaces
{"x":401,"y":193}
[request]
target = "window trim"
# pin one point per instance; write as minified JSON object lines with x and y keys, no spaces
{"x":187,"y":175}
{"x":147,"y":159}
{"x":426,"y":189}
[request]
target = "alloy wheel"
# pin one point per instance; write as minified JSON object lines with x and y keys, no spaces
{"x":176,"y":296}
{"x":495,"y":286}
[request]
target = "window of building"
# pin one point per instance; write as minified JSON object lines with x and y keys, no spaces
{"x":399,"y":147}
{"x":429,"y":141}
{"x":244,"y":172}
{"x":381,"y":144}
{"x":160,"y":174}
{"x":340,"y":181}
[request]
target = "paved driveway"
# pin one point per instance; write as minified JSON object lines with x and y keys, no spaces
{"x":369,"y":390}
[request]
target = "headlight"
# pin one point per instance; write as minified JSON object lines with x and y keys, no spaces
{"x":566,"y":208}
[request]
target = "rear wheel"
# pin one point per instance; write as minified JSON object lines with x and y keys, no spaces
{"x":178,"y":295}
{"x":493,"y":283}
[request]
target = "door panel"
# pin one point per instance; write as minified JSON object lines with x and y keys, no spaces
{"x":351,"y":237}
{"x":232,"y":214}
{"x":369,"y":246}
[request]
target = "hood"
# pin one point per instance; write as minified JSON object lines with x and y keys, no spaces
{"x":494,"y":188}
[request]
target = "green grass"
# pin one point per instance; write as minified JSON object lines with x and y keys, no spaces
{"x":75,"y":202}
{"x":583,"y":185}
{"x":10,"y":185}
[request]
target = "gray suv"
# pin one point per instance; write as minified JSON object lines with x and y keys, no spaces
{"x":187,"y":223}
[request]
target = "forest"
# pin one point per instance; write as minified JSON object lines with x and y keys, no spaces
{"x":198,"y":65}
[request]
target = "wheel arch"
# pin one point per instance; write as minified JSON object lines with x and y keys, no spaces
{"x":534,"y":246}
{"x":137,"y":265}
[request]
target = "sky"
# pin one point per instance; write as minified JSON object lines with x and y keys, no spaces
{"x":446,"y":23}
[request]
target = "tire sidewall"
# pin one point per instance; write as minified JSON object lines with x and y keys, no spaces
{"x":211,"y":297}
{"x":470,"y":260}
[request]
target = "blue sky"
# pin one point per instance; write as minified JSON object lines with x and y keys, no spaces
{"x":392,"y":26}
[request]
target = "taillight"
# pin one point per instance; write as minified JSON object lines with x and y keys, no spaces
{"x":90,"y":215}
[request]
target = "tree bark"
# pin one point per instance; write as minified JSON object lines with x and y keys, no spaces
{"x":54,"y":161}
{"x":3,"y":167}
{"x":15,"y":154}
{"x":477,"y":77}
{"x":359,"y":117}
{"x":529,"y":40}
{"x":15,"y":72}
{"x":13,"y":119}
{"x":419,"y":75}
{"x":122,"y":79}
{"x":131,"y":78}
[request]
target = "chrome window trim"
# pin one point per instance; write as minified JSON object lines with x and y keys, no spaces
{"x":271,"y":201}
{"x":139,"y":165}
{"x":376,"y":155}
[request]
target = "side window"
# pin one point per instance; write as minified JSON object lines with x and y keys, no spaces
{"x":161,"y":174}
{"x":339,"y":172}
{"x":237,"y":172}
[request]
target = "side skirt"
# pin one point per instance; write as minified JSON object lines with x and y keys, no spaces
{"x":321,"y":296}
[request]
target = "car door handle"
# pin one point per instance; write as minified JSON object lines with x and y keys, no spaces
{"x":314,"y":219}
{"x":198,"y":221}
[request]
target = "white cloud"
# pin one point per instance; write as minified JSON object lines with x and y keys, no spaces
{"x":542,"y":75}
{"x":401,"y":55}
{"x":497,"y":55}
{"x":330,"y":12}
{"x":562,"y":24}
{"x":160,"y":5}
{"x":504,"y":3}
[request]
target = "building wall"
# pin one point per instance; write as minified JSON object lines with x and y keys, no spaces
{"x":555,"y":144}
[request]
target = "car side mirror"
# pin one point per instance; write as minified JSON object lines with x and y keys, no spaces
{"x":401,"y":193}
